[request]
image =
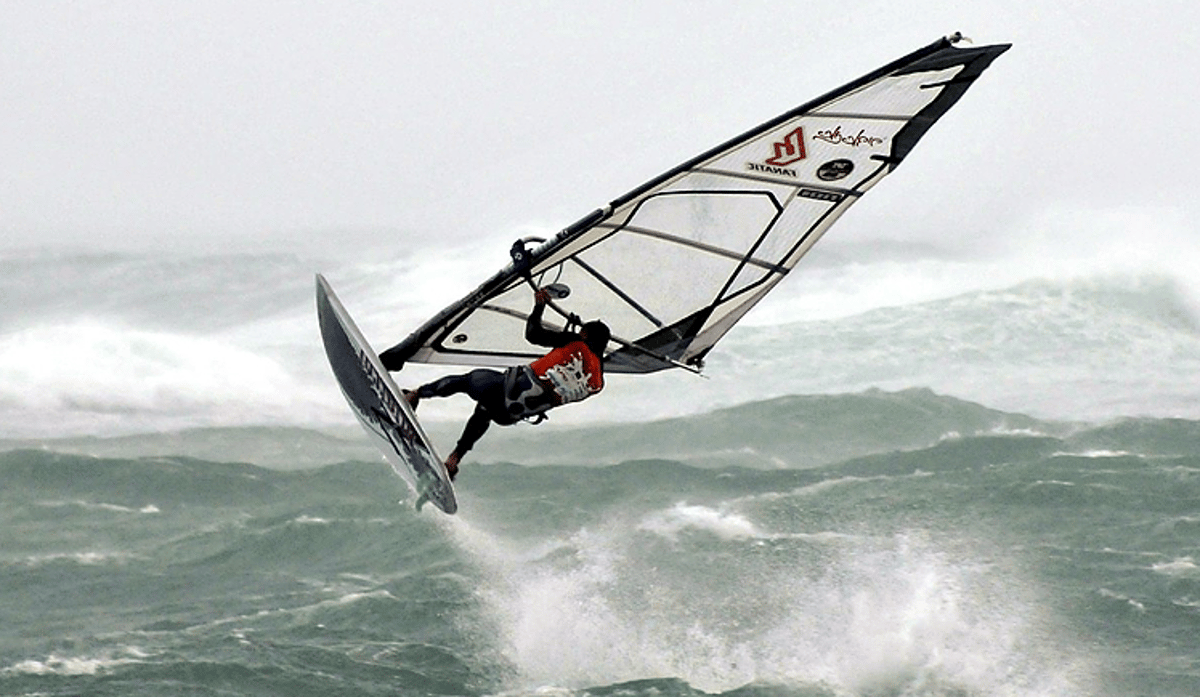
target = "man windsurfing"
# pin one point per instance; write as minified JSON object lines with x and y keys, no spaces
{"x":570,"y":372}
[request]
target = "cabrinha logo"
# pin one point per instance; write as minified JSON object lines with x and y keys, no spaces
{"x":790,"y":150}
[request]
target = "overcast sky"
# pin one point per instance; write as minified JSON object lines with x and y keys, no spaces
{"x":149,"y":124}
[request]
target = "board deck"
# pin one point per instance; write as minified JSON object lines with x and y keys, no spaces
{"x":379,"y":405}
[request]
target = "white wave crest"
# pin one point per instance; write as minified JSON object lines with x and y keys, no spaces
{"x":1180,"y":566}
{"x":88,"y":376}
{"x":721,"y":522}
{"x":76,"y":665}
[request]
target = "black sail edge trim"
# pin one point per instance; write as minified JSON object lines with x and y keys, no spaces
{"x":974,"y":63}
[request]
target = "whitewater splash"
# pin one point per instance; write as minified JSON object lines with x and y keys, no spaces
{"x":704,"y":594}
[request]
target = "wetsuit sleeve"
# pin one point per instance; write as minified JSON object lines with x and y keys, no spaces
{"x":536,"y":333}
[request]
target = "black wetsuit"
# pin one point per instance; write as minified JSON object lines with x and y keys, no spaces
{"x":503,"y":397}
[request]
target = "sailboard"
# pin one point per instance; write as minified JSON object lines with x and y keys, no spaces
{"x":379,"y":405}
{"x":673,"y":265}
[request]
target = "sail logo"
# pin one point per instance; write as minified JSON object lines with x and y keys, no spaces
{"x":836,"y":137}
{"x":827,"y":196}
{"x":776,"y":171}
{"x":834,"y":170}
{"x":791,"y":150}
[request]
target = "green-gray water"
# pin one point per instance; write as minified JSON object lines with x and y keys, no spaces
{"x":1013,"y":557}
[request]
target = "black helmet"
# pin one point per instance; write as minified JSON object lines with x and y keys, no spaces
{"x":596,"y":335}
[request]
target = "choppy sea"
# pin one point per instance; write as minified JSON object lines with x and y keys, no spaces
{"x":991,"y":487}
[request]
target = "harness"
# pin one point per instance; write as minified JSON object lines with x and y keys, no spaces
{"x":524,"y":396}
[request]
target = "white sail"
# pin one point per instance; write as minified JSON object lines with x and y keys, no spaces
{"x":674,"y":264}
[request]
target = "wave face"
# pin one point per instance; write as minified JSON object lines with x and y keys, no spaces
{"x":943,"y":548}
{"x":121,"y":344}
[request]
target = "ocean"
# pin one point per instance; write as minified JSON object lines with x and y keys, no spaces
{"x":908,"y":475}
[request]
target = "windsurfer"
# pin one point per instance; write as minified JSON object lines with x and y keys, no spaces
{"x":570,"y":372}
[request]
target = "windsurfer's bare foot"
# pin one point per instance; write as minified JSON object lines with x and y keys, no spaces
{"x":452,"y":464}
{"x":412,"y":398}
